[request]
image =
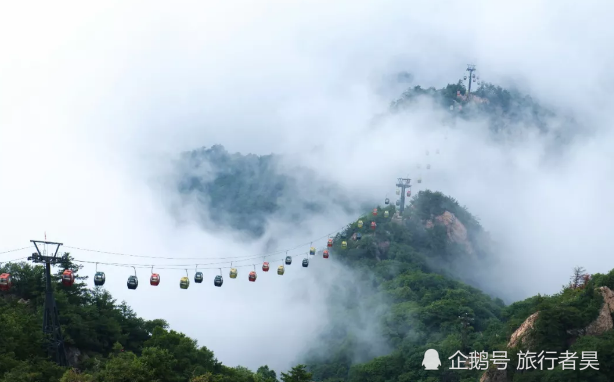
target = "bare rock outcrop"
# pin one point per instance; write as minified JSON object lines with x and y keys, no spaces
{"x":603,"y":322}
{"x":457,"y":232}
{"x":494,"y":375}
{"x":520,"y":336}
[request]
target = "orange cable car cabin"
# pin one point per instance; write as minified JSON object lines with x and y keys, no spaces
{"x":5,"y":281}
{"x":68,"y":277}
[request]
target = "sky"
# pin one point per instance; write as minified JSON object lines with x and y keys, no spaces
{"x":95,"y":99}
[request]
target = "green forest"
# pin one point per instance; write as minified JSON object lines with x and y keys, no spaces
{"x":107,"y":341}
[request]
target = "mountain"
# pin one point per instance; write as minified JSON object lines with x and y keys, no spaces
{"x":239,"y":191}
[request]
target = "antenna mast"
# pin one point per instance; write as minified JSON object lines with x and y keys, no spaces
{"x":470,"y":69}
{"x":403,"y":183}
{"x":51,"y":319}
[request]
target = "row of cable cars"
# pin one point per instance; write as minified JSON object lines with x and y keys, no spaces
{"x":68,"y":276}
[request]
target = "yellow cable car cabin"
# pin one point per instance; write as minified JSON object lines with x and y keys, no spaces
{"x":5,"y":281}
{"x":360,"y":224}
{"x":233,"y":273}
{"x":184,"y":283}
{"x":344,"y":244}
{"x":386,"y":214}
{"x":281,"y":270}
{"x":312,"y":251}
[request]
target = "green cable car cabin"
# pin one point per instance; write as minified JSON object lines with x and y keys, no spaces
{"x":218,"y":281}
{"x":198,"y":277}
{"x":184,"y":283}
{"x":99,"y":278}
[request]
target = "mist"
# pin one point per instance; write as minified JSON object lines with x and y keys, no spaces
{"x":96,"y":100}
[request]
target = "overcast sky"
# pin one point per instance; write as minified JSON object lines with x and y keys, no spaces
{"x":95,"y":97}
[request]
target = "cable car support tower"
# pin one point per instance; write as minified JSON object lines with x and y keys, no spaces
{"x":51,"y":319}
{"x":403,"y":184}
{"x":470,"y":69}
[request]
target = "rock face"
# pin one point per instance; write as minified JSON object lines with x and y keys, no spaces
{"x":603,"y":322}
{"x":494,"y":375}
{"x":457,"y":232}
{"x":519,"y":337}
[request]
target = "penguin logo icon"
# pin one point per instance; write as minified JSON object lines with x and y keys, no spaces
{"x":431,"y":360}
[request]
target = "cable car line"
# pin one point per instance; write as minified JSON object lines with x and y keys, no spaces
{"x":14,"y":250}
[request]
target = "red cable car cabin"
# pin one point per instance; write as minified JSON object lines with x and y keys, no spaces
{"x":265,"y":266}
{"x":154,"y":279}
{"x":408,"y":192}
{"x":375,"y":211}
{"x":5,"y":281}
{"x":252,"y":276}
{"x":325,"y":254}
{"x":373,"y":225}
{"x":330,"y":243}
{"x":68,"y":277}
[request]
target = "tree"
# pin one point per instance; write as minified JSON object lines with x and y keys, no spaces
{"x":266,"y":374}
{"x":297,"y":374}
{"x":578,"y":277}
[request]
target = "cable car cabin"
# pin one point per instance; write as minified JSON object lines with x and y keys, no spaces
{"x":265,"y":267}
{"x":99,"y":278}
{"x":375,"y":212}
{"x":325,"y":254}
{"x":218,"y":281}
{"x":398,"y":203}
{"x":408,"y":192}
{"x":358,"y":236}
{"x":305,"y":263}
{"x":154,"y":279}
{"x":68,"y":277}
{"x":344,"y":244}
{"x":360,"y":224}
{"x":281,"y":270}
{"x":5,"y":281}
{"x":198,"y":277}
{"x":184,"y":283}
{"x":233,"y":273}
{"x":386,"y":214}
{"x":387,"y":201}
{"x":330,"y":243}
{"x":398,"y":192}
{"x":373,"y":225}
{"x":464,"y":77}
{"x":419,"y":180}
{"x":288,"y":260}
{"x":252,"y":276}
{"x":133,"y":282}
{"x":312,"y":251}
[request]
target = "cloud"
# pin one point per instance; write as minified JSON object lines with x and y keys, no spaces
{"x":95,"y":98}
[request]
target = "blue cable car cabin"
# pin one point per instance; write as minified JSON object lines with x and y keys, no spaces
{"x":198,"y":277}
{"x":99,"y":278}
{"x":305,"y":263}
{"x":288,"y":260}
{"x":358,"y":236}
{"x":218,"y":281}
{"x":133,"y":282}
